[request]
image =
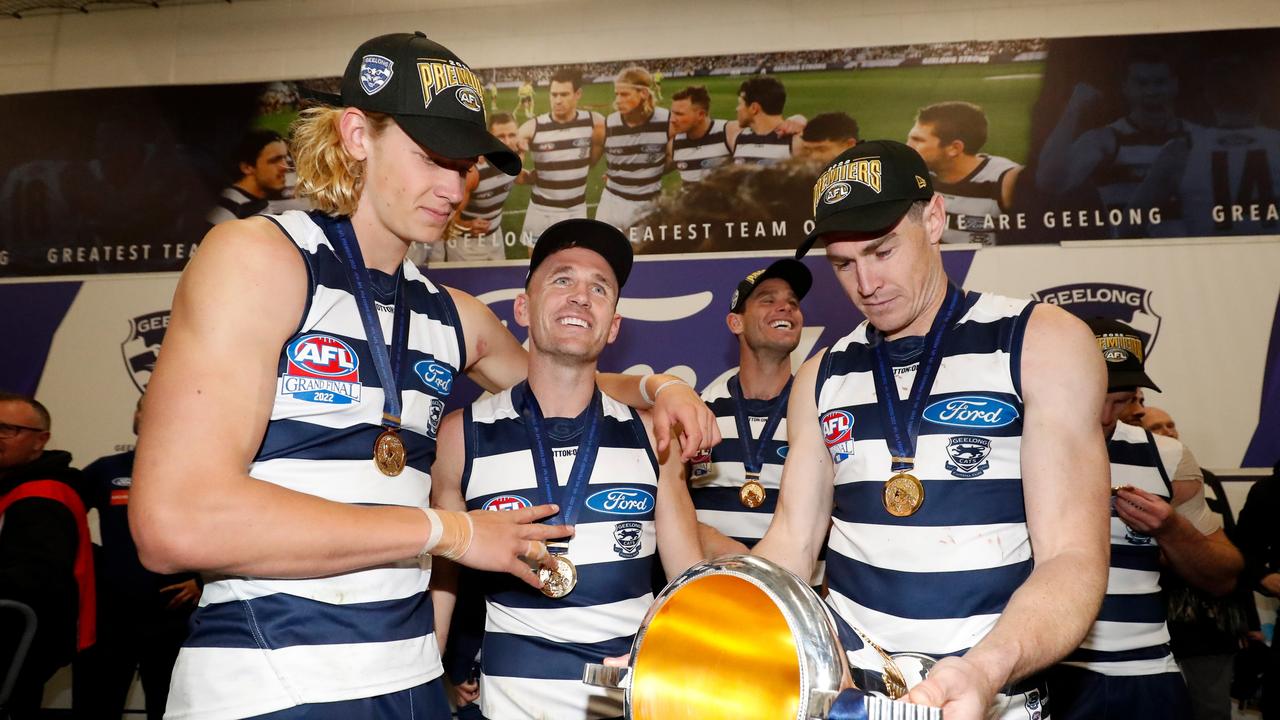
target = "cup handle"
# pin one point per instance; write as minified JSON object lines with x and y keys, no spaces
{"x":609,"y":676}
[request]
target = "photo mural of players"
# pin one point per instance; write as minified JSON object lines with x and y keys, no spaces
{"x":1032,"y":141}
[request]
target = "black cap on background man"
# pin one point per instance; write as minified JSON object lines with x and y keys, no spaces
{"x":793,"y":272}
{"x":433,"y":96}
{"x":602,"y":238}
{"x":1125,"y":355}
{"x":867,"y":190}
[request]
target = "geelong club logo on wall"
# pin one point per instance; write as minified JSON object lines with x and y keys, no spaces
{"x":142,"y":346}
{"x":1126,"y":303}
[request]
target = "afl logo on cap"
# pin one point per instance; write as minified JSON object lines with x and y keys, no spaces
{"x":836,"y":193}
{"x":1115,"y":355}
{"x":469,"y":99}
{"x":375,"y":73}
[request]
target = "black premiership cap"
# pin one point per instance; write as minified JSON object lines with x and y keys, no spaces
{"x":867,"y":189}
{"x":601,"y":238}
{"x":794,"y":272}
{"x":1125,"y":355}
{"x":435,"y":98}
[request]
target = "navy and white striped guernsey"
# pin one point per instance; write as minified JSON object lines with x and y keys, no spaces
{"x":715,"y":480}
{"x":562,"y":159}
{"x":695,"y":157}
{"x":534,"y":646}
{"x":1130,"y":636}
{"x":974,"y":203}
{"x":258,"y":645}
{"x":636,"y":156}
{"x":1118,"y":176}
{"x":490,"y":193}
{"x":755,"y":149}
{"x":934,"y":582}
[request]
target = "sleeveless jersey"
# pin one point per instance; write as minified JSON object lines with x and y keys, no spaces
{"x":934,"y":582}
{"x":973,"y":204}
{"x":1118,"y":176}
{"x":767,"y":149}
{"x":259,"y":645}
{"x":1130,"y":636}
{"x":534,"y":646}
{"x":694,"y":158}
{"x":636,"y":156}
{"x":562,"y":159}
{"x":1230,"y":169}
{"x":490,"y":194}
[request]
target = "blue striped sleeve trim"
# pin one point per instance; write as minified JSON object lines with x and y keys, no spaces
{"x":1018,"y":334}
{"x":311,"y":274}
{"x":926,"y":595}
{"x":598,"y":584}
{"x":946,"y":502}
{"x":449,"y":315}
{"x":281,"y":621}
{"x":508,"y":655}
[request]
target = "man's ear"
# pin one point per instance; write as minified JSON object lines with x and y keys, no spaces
{"x":613,"y":328}
{"x":734,"y":321}
{"x":522,"y":310}
{"x":353,"y":127}
{"x":935,"y":219}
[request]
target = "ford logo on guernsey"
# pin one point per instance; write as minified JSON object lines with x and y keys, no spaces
{"x":971,"y":411}
{"x":436,"y":376}
{"x":622,"y":501}
{"x":506,"y":502}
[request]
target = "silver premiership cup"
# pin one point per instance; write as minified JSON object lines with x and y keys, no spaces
{"x":741,"y":638}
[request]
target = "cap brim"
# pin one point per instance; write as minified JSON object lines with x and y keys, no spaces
{"x":869,"y":220}
{"x":458,"y":140}
{"x":1122,"y":380}
{"x":793,"y":272}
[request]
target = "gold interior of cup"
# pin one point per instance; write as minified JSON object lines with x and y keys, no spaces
{"x":718,"y":648}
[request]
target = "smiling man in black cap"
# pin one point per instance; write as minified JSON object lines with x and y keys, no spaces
{"x":292,"y":420}
{"x":735,"y":486}
{"x":946,"y":437}
{"x":558,"y":438}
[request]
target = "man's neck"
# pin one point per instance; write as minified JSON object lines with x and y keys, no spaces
{"x":250,"y":186}
{"x":765,"y":124}
{"x":568,"y":115}
{"x":763,"y":375}
{"x":937,"y":292}
{"x":381,"y":248}
{"x":958,"y":169}
{"x":698,"y":131}
{"x":639,"y":116}
{"x":562,"y":389}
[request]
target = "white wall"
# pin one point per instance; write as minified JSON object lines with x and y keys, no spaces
{"x":284,"y":39}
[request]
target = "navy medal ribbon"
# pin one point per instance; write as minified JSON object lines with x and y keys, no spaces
{"x":753,"y":457}
{"x":570,"y":497}
{"x":388,"y":363}
{"x":901,"y":418}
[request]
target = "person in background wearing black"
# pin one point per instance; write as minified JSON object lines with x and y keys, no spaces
{"x":142,"y":616}
{"x":1257,"y":538}
{"x":45,"y":557}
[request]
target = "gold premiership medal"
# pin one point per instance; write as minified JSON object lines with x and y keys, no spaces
{"x":751,"y":493}
{"x":903,"y":495}
{"x":560,"y":581}
{"x":388,"y":453}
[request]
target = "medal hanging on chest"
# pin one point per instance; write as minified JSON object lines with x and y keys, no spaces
{"x":388,"y":449}
{"x":559,"y":581}
{"x":752,"y":493}
{"x":903,"y":493}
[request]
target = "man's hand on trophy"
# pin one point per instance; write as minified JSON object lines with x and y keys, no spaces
{"x":956,"y":685}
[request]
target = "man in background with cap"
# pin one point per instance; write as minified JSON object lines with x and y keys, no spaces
{"x":735,"y":486}
{"x":1124,"y":668}
{"x":287,"y":448}
{"x":557,"y":438}
{"x":944,"y":438}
